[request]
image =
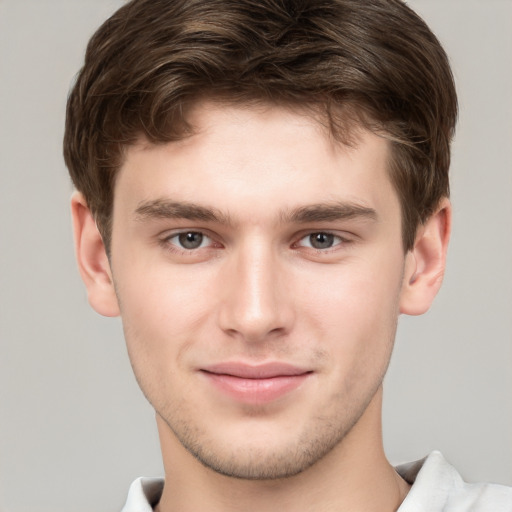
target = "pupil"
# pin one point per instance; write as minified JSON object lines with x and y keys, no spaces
{"x":190,"y":240}
{"x":321,"y":240}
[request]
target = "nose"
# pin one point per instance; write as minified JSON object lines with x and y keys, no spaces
{"x":256,"y":304}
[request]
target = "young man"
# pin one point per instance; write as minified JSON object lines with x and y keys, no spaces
{"x":262,"y":188}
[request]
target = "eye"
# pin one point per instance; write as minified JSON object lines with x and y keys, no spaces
{"x":189,"y":240}
{"x":320,"y":240}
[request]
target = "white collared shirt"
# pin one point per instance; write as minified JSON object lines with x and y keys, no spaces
{"x":436,"y":487}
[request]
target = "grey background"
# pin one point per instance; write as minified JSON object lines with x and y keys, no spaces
{"x":75,"y":429}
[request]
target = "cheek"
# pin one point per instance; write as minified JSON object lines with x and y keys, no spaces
{"x":355,"y":310}
{"x":160,"y":326}
{"x":161,"y":313}
{"x":353,"y":296}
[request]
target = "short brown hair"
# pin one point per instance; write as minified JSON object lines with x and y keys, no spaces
{"x":374,"y":59}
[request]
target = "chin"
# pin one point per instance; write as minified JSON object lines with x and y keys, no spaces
{"x":259,"y":455}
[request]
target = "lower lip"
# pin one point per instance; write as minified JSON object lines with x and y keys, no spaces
{"x":256,"y":391}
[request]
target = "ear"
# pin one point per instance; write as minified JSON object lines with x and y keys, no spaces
{"x":92,"y":259}
{"x":426,"y":261}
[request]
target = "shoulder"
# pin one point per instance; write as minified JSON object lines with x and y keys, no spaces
{"x":437,"y":486}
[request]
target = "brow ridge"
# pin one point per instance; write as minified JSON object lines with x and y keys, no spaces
{"x":321,"y":212}
{"x":166,"y":209}
{"x":328,"y":212}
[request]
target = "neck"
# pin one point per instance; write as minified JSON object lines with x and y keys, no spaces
{"x":354,"y":476}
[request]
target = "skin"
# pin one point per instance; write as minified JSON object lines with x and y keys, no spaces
{"x":293,"y":255}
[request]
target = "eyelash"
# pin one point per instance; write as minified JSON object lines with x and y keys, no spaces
{"x":167,"y":243}
{"x":336,"y":239}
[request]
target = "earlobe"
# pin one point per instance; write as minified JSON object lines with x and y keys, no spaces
{"x":425,"y":262}
{"x":92,"y":259}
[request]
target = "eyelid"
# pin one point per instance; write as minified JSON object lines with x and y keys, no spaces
{"x":343,"y":242}
{"x":165,"y":239}
{"x":203,"y":243}
{"x":340,"y":237}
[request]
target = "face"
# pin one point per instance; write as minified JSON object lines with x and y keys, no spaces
{"x":258,"y":267}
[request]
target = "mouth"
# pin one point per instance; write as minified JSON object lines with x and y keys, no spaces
{"x":255,"y":384}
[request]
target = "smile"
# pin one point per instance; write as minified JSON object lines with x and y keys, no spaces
{"x":255,"y":384}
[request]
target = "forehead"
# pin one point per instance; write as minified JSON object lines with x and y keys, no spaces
{"x":285,"y":158}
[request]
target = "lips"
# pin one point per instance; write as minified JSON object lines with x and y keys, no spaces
{"x":255,"y":384}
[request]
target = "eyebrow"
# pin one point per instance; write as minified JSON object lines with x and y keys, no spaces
{"x":329,"y":212}
{"x":165,"y":209}
{"x":322,"y":212}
